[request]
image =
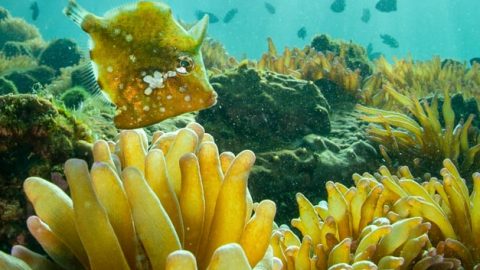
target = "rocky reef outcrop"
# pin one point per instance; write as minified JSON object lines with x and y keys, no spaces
{"x":36,"y":138}
{"x":300,"y":140}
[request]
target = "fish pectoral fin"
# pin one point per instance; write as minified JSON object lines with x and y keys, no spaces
{"x":199,"y":30}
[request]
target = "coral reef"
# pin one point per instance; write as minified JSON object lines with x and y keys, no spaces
{"x":7,"y":87}
{"x":215,"y":57}
{"x":10,"y":64}
{"x":280,"y":173}
{"x":386,"y":222}
{"x":419,"y":78}
{"x":177,"y":193}
{"x":32,"y":79}
{"x":421,"y":138}
{"x":60,"y":53}
{"x":308,"y":64}
{"x":15,"y":48}
{"x":4,"y":13}
{"x":288,"y":123}
{"x":35,"y":139}
{"x":74,"y":97}
{"x":16,"y":29}
{"x":264,"y":109}
{"x":354,"y":55}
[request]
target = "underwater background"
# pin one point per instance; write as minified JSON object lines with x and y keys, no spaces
{"x":423,"y":28}
{"x":328,"y":134}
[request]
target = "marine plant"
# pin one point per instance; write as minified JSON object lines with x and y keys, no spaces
{"x":419,"y":78}
{"x":17,"y":29}
{"x":309,"y":64}
{"x":73,"y":97}
{"x":174,"y":204}
{"x":22,"y":62}
{"x":7,"y":87}
{"x":215,"y":57}
{"x":60,"y":53}
{"x":421,"y":137}
{"x":387,"y":221}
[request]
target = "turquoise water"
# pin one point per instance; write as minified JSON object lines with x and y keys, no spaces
{"x":423,"y":28}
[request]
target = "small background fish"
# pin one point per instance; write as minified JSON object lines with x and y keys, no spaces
{"x":230,"y":15}
{"x":338,"y":6}
{"x":35,"y":10}
{"x":366,"y":15}
{"x":302,"y":33}
{"x":212,"y":18}
{"x":386,"y":5}
{"x":270,"y":8}
{"x":390,"y":41}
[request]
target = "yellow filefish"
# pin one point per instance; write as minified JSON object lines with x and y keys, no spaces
{"x":145,"y":62}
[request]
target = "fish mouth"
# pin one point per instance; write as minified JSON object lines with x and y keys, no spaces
{"x":213,"y":99}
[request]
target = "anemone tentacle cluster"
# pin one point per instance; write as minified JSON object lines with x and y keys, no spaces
{"x":174,"y":204}
{"x":387,"y":221}
{"x":421,"y":136}
{"x":309,"y":64}
{"x":419,"y":78}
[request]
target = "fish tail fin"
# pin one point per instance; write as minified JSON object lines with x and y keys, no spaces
{"x":75,"y":12}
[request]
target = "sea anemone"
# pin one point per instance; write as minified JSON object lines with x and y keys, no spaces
{"x":419,"y":78}
{"x":421,"y":136}
{"x":215,"y":57}
{"x":309,"y":64}
{"x":387,"y":222}
{"x":175,"y":204}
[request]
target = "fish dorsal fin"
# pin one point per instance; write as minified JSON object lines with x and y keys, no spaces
{"x":199,"y":30}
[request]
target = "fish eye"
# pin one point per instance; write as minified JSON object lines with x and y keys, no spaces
{"x":184,"y":65}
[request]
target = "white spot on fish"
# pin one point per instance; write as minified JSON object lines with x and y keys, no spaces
{"x":171,"y":73}
{"x":162,"y":109}
{"x":155,"y":81}
{"x":129,"y":38}
{"x":116,"y":31}
{"x":146,"y":108}
{"x":187,"y":98}
{"x":132,"y":58}
{"x":182,"y":89}
{"x":148,"y":91}
{"x":110,"y":69}
{"x":169,"y":97}
{"x":120,"y":86}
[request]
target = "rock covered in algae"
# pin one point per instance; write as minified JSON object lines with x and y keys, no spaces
{"x":16,"y":29}
{"x":60,"y":53}
{"x":15,"y":48}
{"x":312,"y":160}
{"x":73,"y":97}
{"x":28,"y":80}
{"x":35,"y":139}
{"x":355,"y":55}
{"x":262,"y":110}
{"x":7,"y":87}
{"x":298,"y":138}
